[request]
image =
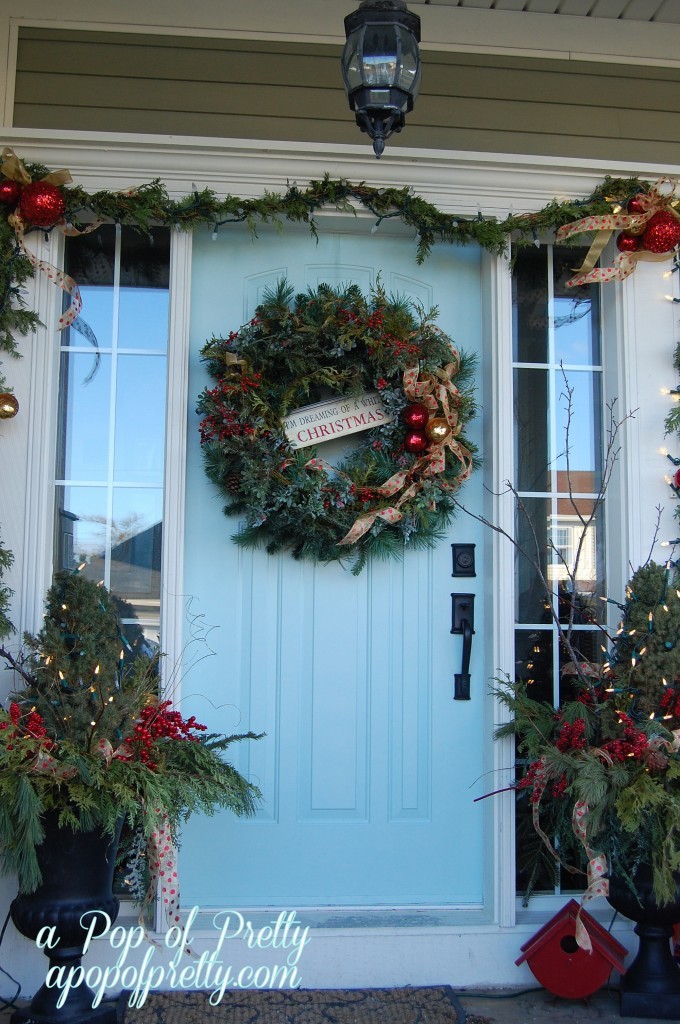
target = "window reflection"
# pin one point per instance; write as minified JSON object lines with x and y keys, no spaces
{"x":110,"y":457}
{"x":559,"y":515}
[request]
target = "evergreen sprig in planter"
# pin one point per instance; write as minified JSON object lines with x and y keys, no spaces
{"x":88,"y":743}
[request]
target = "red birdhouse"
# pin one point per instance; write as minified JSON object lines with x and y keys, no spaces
{"x":561,"y":966}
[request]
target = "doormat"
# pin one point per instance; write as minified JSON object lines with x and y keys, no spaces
{"x":436,"y":1005}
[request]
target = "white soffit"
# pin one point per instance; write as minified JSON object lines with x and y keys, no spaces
{"x":666,"y":11}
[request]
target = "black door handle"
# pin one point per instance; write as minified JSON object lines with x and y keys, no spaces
{"x":463,"y":622}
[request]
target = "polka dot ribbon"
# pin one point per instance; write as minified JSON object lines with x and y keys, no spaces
{"x":660,"y":197}
{"x":431,"y":390}
{"x":163,"y":877}
{"x":598,"y":883}
{"x":58,"y":277}
{"x":12,"y":167}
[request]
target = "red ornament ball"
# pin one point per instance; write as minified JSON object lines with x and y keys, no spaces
{"x":42,"y":204}
{"x":628,"y":243}
{"x":634,"y":205}
{"x":662,"y":233}
{"x":9,"y":192}
{"x":676,"y":480}
{"x":416,"y":416}
{"x":415,"y":441}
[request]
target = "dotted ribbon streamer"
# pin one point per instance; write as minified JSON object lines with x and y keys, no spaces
{"x":64,"y":281}
{"x":598,"y":883}
{"x":660,"y":197}
{"x":162,"y":860}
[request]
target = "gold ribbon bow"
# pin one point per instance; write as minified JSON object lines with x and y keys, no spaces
{"x":12,"y":167}
{"x":658,"y":198}
{"x":431,"y":390}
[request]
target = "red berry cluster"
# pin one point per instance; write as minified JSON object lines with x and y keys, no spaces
{"x":670,"y":701}
{"x":633,"y":744}
{"x":533,"y":779}
{"x":375,"y":323}
{"x":559,"y":787}
{"x":32,"y":727}
{"x":572,"y":735}
{"x":157,"y":722}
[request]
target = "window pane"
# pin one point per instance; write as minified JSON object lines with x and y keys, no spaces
{"x":534,"y":662}
{"x":143,"y":319}
{"x":587,"y":644}
{"x":136,"y":550}
{"x":144,"y":290}
{"x":565,"y":537}
{"x":81,"y":529}
{"x":531,"y":534}
{"x":582,"y":417}
{"x":140,"y":419}
{"x":576,"y":312}
{"x":576,"y":568}
{"x":530,"y":306}
{"x":84,"y":398}
{"x":532,"y":431}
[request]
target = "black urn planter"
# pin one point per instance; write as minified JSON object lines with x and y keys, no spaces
{"x":651,"y":985}
{"x":77,"y":876}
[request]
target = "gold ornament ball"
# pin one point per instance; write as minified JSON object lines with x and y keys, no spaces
{"x":438,"y":429}
{"x":9,"y":406}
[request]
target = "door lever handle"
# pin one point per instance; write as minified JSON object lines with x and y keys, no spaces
{"x":462,"y":623}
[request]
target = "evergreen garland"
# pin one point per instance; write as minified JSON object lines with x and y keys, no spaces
{"x":150,"y":205}
{"x":297,"y":350}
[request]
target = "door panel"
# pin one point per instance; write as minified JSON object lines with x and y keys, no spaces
{"x":367,"y":764}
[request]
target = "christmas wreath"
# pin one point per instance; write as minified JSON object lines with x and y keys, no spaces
{"x":317,"y":366}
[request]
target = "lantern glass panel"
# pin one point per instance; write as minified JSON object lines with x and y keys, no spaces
{"x":408,"y":78}
{"x":380,"y":55}
{"x":352,"y":68}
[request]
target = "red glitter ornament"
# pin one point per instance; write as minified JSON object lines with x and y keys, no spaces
{"x":628,"y":243}
{"x":662,"y":233}
{"x":634,"y":205}
{"x":676,"y":480}
{"x":10,"y":191}
{"x":415,"y":441}
{"x":42,"y":204}
{"x":415,"y":416}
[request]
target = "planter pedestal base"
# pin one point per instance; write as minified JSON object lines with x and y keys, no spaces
{"x":105,"y":1013}
{"x":77,"y":1008}
{"x":651,"y":986}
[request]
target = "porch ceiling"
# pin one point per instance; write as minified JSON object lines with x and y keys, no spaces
{"x":666,"y":11}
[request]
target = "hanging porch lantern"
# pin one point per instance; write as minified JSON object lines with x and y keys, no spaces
{"x":381,"y":66}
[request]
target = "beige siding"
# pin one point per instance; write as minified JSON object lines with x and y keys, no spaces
{"x":293,"y":92}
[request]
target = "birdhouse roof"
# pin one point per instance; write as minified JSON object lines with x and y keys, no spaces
{"x":564,"y":923}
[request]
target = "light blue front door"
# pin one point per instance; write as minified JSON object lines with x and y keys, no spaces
{"x":368,"y":762}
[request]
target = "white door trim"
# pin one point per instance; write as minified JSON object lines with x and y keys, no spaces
{"x":460,"y":183}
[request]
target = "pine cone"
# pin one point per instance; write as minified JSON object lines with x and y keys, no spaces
{"x":656,"y":762}
{"x":233,"y":482}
